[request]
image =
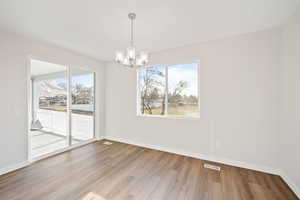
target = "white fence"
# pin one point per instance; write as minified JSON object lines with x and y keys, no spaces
{"x":56,"y":122}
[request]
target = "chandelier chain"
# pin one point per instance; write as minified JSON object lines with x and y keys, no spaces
{"x":131,"y":31}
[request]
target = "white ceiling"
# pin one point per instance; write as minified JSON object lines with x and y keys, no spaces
{"x":99,"y":27}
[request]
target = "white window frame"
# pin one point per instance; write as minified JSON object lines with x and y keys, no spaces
{"x":167,"y":116}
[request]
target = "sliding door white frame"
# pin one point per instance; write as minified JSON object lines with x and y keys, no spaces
{"x":69,"y":104}
{"x":69,"y":111}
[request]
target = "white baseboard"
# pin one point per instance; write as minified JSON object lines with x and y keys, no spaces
{"x":283,"y":175}
{"x":199,"y":156}
{"x":264,"y":169}
{"x":13,"y":167}
{"x":290,"y":183}
{"x":100,"y":138}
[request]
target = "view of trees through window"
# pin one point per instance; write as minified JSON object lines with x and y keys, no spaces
{"x":169,"y":90}
{"x":53,"y":94}
{"x":82,"y":90}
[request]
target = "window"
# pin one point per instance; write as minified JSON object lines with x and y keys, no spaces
{"x":169,"y":90}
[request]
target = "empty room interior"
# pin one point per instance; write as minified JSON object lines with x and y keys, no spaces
{"x":150,"y":100}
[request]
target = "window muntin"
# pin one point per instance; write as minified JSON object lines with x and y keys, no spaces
{"x":169,"y":91}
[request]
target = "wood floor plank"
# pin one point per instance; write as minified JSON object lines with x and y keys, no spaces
{"x":126,"y":172}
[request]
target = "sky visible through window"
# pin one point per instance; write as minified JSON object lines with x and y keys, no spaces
{"x":177,"y":73}
{"x":85,"y":79}
{"x":55,"y":86}
{"x":187,"y":72}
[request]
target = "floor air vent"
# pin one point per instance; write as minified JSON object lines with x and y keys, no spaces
{"x":213,"y":167}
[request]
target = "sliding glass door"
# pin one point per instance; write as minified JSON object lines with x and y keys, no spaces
{"x":62,"y":110}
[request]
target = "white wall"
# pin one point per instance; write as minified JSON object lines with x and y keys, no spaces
{"x":239,"y":102}
{"x":290,"y":103}
{"x":14,"y":52}
{"x":249,"y":100}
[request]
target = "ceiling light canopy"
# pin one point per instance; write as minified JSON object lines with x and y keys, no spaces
{"x":131,"y":58}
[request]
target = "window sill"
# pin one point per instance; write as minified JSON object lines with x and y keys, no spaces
{"x":170,"y":117}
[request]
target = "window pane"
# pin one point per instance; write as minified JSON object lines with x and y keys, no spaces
{"x":152,"y":90}
{"x":53,"y":94}
{"x":183,"y":90}
{"x":82,"y":89}
{"x":52,"y":102}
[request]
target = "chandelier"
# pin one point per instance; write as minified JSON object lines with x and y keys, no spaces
{"x":130,"y":57}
